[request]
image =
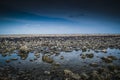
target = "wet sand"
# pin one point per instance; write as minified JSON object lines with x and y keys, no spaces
{"x":60,"y":57}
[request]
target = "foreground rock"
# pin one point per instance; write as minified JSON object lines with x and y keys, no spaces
{"x":94,"y":64}
{"x":47,"y":59}
{"x":107,"y":60}
{"x":24,"y":49}
{"x":71,"y":75}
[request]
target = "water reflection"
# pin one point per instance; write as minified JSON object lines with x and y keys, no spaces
{"x":71,"y":60}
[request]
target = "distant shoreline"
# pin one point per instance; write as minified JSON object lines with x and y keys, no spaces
{"x":54,"y":35}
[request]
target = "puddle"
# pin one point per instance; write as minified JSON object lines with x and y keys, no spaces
{"x":70,"y":60}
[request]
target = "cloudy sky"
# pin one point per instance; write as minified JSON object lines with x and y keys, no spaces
{"x":59,"y":16}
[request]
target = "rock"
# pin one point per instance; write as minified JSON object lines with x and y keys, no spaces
{"x":100,"y":70}
{"x":67,"y":72}
{"x":106,"y":59}
{"x":84,"y":76}
{"x":61,"y":57}
{"x":47,"y":72}
{"x":111,"y":67}
{"x":31,"y":60}
{"x":112,"y":57}
{"x":90,"y":55}
{"x":83,"y":56}
{"x":72,"y":75}
{"x":26,"y":78}
{"x":117,"y":76}
{"x":37,"y":55}
{"x":104,"y":51}
{"x":14,"y":58}
{"x":24,"y":49}
{"x":47,"y":59}
{"x":35,"y":58}
{"x":56,"y":64}
{"x":95,"y":76}
{"x":76,"y":76}
{"x":94,"y":64}
{"x":84,"y":49}
{"x":23,"y":58}
{"x":8,"y":61}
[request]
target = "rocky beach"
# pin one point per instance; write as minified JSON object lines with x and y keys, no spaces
{"x":60,"y":57}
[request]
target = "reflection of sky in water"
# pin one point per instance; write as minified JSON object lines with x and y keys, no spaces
{"x":71,"y":59}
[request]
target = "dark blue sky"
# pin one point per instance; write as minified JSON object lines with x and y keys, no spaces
{"x":59,"y":16}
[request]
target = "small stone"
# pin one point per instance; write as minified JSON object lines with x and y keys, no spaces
{"x":94,"y":64}
{"x":90,"y":55}
{"x":47,"y":72}
{"x":14,"y":59}
{"x":61,"y":57}
{"x":67,"y":72}
{"x":76,"y":76}
{"x":84,"y":49}
{"x":24,"y":49}
{"x":56,"y":64}
{"x":84,"y":76}
{"x":112,"y":57}
{"x":7,"y":61}
{"x":47,"y":59}
{"x":104,"y":51}
{"x":106,"y":59}
{"x":83,"y":56}
{"x":72,"y":75}
{"x":37,"y":55}
{"x":31,"y":60}
{"x":111,"y":67}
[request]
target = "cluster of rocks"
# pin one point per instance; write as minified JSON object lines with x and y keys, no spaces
{"x":110,"y":73}
{"x":109,"y":59}
{"x":10,"y":73}
{"x":56,"y":44}
{"x":53,"y":46}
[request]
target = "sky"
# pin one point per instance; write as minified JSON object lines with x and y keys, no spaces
{"x":59,"y":16}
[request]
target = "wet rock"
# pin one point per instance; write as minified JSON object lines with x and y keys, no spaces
{"x":47,"y":72}
{"x":83,"y":56}
{"x":31,"y":60}
{"x":95,"y":76}
{"x":94,"y":64}
{"x":106,"y":59}
{"x":56,"y":64}
{"x":101,"y":70}
{"x":76,"y":76}
{"x":67,"y":72}
{"x":104,"y":50}
{"x":112,"y":57}
{"x":117,"y":76}
{"x":24,"y":49}
{"x":8,"y":61}
{"x":61,"y":57}
{"x":23,"y":56}
{"x":47,"y":59}
{"x":35,"y":58}
{"x":14,"y":58}
{"x":111,"y":67}
{"x":37,"y":55}
{"x":26,"y":78}
{"x":72,"y":75}
{"x":84,"y":76}
{"x":68,"y":50}
{"x":90,"y":55}
{"x":84,"y":49}
{"x":4,"y":54}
